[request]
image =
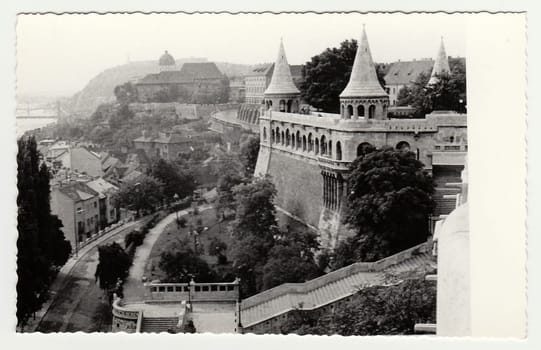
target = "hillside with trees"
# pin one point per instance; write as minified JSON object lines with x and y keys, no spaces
{"x":100,"y":89}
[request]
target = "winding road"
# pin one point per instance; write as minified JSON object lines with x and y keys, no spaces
{"x":77,"y":303}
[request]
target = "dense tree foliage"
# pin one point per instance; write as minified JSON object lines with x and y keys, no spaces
{"x":378,"y":310}
{"x":184,"y":265}
{"x":263,"y":255}
{"x":388,"y":205}
{"x":218,"y":248}
{"x":122,"y":116}
{"x":230,"y":172}
{"x":291,"y":259}
{"x":143,"y":193}
{"x":175,"y":180}
{"x":449,"y":93}
{"x":249,"y":150}
{"x":327,"y":74}
{"x":254,"y":229}
{"x":125,"y":93}
{"x":41,"y":246}
{"x":113,"y":267}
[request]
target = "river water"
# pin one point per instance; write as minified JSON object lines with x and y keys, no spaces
{"x":26,"y":124}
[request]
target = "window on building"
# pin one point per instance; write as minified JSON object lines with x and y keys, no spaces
{"x":360,"y":110}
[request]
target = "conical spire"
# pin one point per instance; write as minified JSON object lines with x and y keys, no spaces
{"x":281,"y":81}
{"x":363,"y":81}
{"x":441,"y":66}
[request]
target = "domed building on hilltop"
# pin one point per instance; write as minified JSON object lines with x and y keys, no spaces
{"x":192,"y":82}
{"x":167,"y":62}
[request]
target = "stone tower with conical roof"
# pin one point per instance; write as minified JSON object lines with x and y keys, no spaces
{"x":282,"y":94}
{"x":363,"y":96}
{"x":441,"y":66}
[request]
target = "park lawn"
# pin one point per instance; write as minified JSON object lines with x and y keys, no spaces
{"x":175,"y":238}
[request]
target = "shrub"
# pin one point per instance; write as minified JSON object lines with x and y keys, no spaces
{"x":181,"y":222}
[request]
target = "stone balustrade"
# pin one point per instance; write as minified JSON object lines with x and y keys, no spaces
{"x":193,"y":291}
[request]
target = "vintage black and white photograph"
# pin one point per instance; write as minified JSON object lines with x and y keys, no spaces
{"x":248,"y":174}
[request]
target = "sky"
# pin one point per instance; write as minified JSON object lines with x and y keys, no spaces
{"x":58,"y":54}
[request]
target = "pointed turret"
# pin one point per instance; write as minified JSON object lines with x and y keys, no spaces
{"x":441,"y":66}
{"x":281,"y":81}
{"x":363,"y":95}
{"x":363,"y":81}
{"x":282,"y":94}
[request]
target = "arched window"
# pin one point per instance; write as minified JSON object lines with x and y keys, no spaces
{"x":277,"y":135}
{"x":310,"y":143}
{"x":360,"y":110}
{"x":371,"y":111}
{"x":304,"y":142}
{"x":323,"y":144}
{"x":282,"y":105}
{"x":350,"y":111}
{"x":293,"y":141}
{"x":330,"y":148}
{"x":283,"y":138}
{"x":317,"y":146}
{"x":264,"y":134}
{"x":287,"y":137}
{"x":338,"y":150}
{"x":403,"y":146}
{"x":342,"y":109}
{"x":272,"y":136}
{"x":364,"y":148}
{"x":298,"y":140}
{"x":289,"y":104}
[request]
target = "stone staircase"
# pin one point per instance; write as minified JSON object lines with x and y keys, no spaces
{"x":158,"y":324}
{"x":331,"y":287}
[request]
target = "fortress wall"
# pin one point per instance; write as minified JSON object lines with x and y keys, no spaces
{"x":299,"y":186}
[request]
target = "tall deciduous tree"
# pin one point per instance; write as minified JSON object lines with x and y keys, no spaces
{"x":254,"y":229}
{"x":327,"y":74}
{"x":291,"y":259}
{"x":389,"y":203}
{"x":249,"y":150}
{"x":143,"y":193}
{"x":174,"y":179}
{"x":449,"y":93}
{"x":113,"y":267}
{"x":182,"y":266}
{"x":230,"y":174}
{"x":42,"y":247}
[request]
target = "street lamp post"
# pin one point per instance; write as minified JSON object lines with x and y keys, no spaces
{"x":175,"y":197}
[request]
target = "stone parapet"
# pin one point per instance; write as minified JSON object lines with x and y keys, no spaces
{"x":302,"y":288}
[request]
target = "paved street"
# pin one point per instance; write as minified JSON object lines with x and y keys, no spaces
{"x":77,"y":302}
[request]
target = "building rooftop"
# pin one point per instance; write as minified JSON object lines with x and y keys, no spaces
{"x":101,"y":186}
{"x":406,"y":72}
{"x":189,"y":73}
{"x":77,"y":191}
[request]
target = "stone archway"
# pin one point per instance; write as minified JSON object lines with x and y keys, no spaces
{"x":364,"y":148}
{"x":403,"y":146}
